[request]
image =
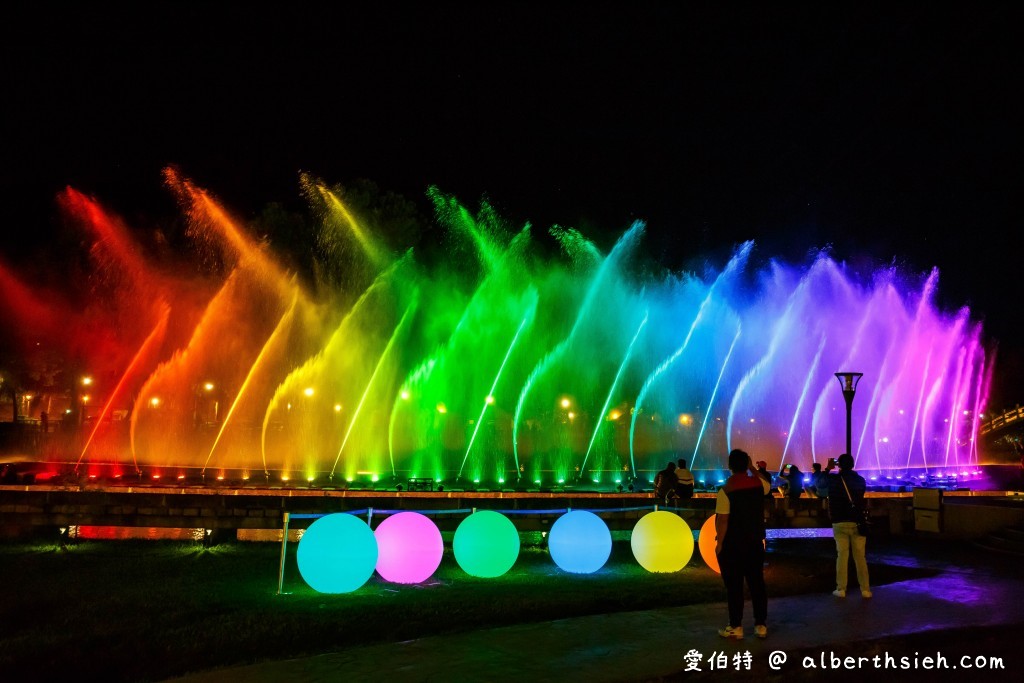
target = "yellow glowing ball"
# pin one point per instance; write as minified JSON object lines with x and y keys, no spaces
{"x":706,"y":543}
{"x":662,"y":542}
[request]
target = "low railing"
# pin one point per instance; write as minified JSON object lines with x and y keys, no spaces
{"x":1002,"y":421}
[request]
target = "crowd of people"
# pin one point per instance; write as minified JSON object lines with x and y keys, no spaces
{"x":740,"y":524}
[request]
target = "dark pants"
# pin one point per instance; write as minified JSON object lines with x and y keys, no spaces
{"x":745,"y":562}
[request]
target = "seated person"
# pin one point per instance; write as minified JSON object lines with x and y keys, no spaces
{"x":665,"y":484}
{"x":819,"y":482}
{"x":793,"y":480}
{"x":684,"y":481}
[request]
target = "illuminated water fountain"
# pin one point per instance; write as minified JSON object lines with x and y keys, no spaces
{"x":492,"y":358}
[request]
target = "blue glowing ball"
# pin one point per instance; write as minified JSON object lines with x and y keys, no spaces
{"x":337,"y":554}
{"x":580,"y":542}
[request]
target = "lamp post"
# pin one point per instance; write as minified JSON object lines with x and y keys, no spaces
{"x":848,"y":381}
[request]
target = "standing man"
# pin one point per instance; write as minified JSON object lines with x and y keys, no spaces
{"x":845,"y":500}
{"x":739,"y":524}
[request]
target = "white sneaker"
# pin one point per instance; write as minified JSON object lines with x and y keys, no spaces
{"x":761,"y":631}
{"x":839,"y":593}
{"x":735,"y":632}
{"x":866,"y":594}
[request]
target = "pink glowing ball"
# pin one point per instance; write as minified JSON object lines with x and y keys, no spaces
{"x":409,"y":548}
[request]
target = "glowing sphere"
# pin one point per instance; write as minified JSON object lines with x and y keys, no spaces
{"x":410,"y":548}
{"x":486,"y":544}
{"x":580,"y":542}
{"x":662,"y":542}
{"x":706,"y":543}
{"x":337,"y":553}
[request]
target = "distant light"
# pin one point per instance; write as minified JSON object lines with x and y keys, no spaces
{"x":181,"y":476}
{"x":310,"y":479}
{"x":536,"y":481}
{"x":220,"y":477}
{"x":28,"y":397}
{"x":85,"y":399}
{"x":901,"y":411}
{"x":284,"y":477}
{"x":374,"y":478}
{"x":154,"y":401}
{"x":87,"y":381}
{"x":67,"y":412}
{"x":685,"y":419}
{"x":751,"y":419}
{"x":476,"y":481}
{"x":614,"y":415}
{"x":565,"y":403}
{"x":337,"y":407}
{"x":489,"y":400}
{"x":967,"y":412}
{"x":308,"y":391}
{"x":441,"y":408}
{"x":404,"y":395}
{"x":208,"y":386}
{"x":596,"y":481}
{"x":501,"y":481}
{"x":884,"y":439}
{"x":561,"y":481}
{"x":572,"y":415}
{"x":156,"y":476}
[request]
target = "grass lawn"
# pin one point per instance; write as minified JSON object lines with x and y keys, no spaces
{"x":150,"y":610}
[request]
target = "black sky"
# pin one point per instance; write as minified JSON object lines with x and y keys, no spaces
{"x":891,"y":133}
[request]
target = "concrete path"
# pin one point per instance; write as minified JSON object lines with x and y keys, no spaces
{"x":653,"y":645}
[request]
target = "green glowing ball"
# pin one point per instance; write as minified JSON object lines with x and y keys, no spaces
{"x":486,"y":544}
{"x":337,"y":554}
{"x":662,"y":542}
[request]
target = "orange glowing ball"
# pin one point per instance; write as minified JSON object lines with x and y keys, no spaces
{"x":706,"y":544}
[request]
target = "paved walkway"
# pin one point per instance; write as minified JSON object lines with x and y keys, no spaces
{"x":652,"y":645}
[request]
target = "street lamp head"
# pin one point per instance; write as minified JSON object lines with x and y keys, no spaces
{"x":848,"y":381}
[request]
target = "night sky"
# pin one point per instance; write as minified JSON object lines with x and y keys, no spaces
{"x":889,"y":135}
